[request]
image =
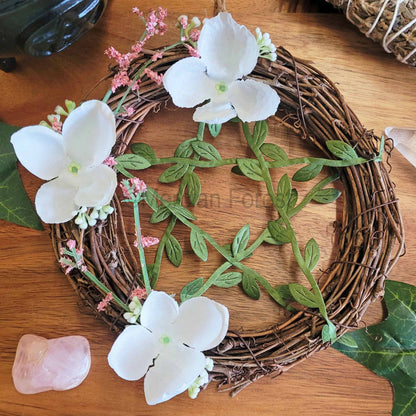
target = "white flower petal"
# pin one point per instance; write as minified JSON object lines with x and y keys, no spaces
{"x":133,"y":352}
{"x":97,"y":186}
{"x":228,"y":49}
{"x":202,"y":323}
{"x":187,"y":82}
{"x":40,"y":150}
{"x":174,"y":371}
{"x":159,"y":311}
{"x":253,"y":100}
{"x":89,"y":133}
{"x":214,"y":113}
{"x":404,"y":141}
{"x":55,"y":202}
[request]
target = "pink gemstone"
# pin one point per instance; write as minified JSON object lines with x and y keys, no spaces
{"x":50,"y":364}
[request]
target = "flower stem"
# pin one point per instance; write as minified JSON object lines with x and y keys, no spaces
{"x":140,"y":247}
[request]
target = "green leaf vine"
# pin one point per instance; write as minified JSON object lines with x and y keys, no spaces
{"x":196,"y":153}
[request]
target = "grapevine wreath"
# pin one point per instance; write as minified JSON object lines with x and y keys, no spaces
{"x":102,"y":263}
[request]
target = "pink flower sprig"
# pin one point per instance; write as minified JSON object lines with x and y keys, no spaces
{"x":72,"y":257}
{"x":133,"y":189}
{"x":154,"y":25}
{"x":147,"y":241}
{"x":154,"y":76}
{"x":105,"y":302}
{"x":139,"y":292}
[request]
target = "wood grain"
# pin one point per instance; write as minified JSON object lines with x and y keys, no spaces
{"x":36,"y":298}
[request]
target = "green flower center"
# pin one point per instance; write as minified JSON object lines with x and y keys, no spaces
{"x":164,"y":339}
{"x":221,"y":87}
{"x":74,"y":168}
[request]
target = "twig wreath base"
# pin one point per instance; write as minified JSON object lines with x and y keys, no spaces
{"x":370,"y":241}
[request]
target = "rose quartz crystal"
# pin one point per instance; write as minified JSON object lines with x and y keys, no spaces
{"x":50,"y":364}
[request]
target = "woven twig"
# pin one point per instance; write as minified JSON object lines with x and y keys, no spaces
{"x":391,"y":23}
{"x":370,"y":240}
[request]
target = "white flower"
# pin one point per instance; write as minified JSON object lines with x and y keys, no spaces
{"x":72,"y":162}
{"x":166,"y":347}
{"x":228,"y":52}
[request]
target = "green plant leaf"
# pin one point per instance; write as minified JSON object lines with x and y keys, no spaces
{"x":123,"y":171}
{"x":214,"y":129}
{"x":283,"y":193}
{"x":185,"y":149}
{"x":144,"y":150}
{"x":292,"y":199}
{"x":191,"y":289}
{"x":250,"y":286}
{"x":275,"y":152}
{"x":326,"y":196}
{"x":341,"y":150}
{"x":206,"y":150}
{"x":250,"y":168}
{"x":307,"y":173}
{"x":198,"y":244}
{"x":151,"y":201}
{"x":260,"y":132}
{"x":180,"y":211}
{"x":236,"y":170}
{"x":348,"y":341}
{"x":132,"y":161}
{"x":241,"y":239}
{"x":173,"y":250}
{"x":283,"y":291}
{"x":15,"y":205}
{"x":279,"y":233}
{"x":303,"y":295}
{"x":194,"y":187}
{"x":173,"y":173}
{"x":389,"y":348}
{"x":329,"y":332}
{"x":160,"y":214}
{"x":312,"y":254}
{"x":229,"y":279}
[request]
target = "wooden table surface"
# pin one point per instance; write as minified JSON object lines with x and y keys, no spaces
{"x":36,"y":297}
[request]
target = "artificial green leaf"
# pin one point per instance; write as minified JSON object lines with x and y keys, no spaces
{"x":250,"y":168}
{"x":283,"y":193}
{"x":237,"y":170}
{"x":194,"y":187}
{"x":275,"y":152}
{"x":260,"y":132}
{"x":341,"y":150}
{"x":173,"y":250}
{"x":250,"y":286}
{"x":180,"y":212}
{"x":227,"y":249}
{"x":160,"y":214}
{"x":241,"y":239}
{"x":198,"y":244}
{"x":307,"y":173}
{"x":329,"y":332}
{"x":151,"y":200}
{"x":123,"y":171}
{"x":15,"y":206}
{"x":229,"y":279}
{"x":269,"y":239}
{"x":303,"y":295}
{"x":389,"y":348}
{"x":206,"y":150}
{"x":292,"y":199}
{"x":173,"y":173}
{"x":185,"y":149}
{"x":312,"y":254}
{"x":191,"y":289}
{"x":283,"y":291}
{"x":347,"y":340}
{"x":326,"y":196}
{"x":214,"y":129}
{"x":279,"y":233}
{"x":144,"y":150}
{"x":132,"y":161}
